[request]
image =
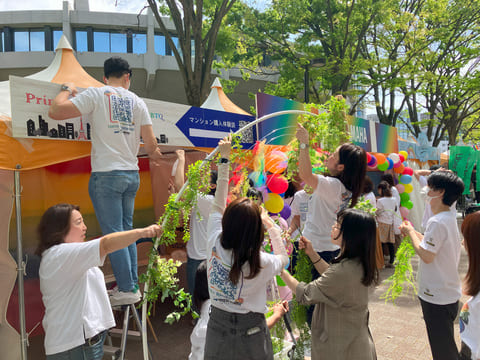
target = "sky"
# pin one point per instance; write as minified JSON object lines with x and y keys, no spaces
{"x":132,"y":6}
{"x":128,"y":6}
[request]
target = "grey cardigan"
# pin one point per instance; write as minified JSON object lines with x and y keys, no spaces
{"x":340,"y":319}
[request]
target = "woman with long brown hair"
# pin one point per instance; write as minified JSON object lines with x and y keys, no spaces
{"x":238,"y":273}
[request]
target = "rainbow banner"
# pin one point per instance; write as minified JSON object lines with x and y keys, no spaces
{"x":373,"y":136}
{"x":279,"y":130}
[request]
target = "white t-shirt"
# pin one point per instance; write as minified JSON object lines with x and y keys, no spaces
{"x":371,"y":197}
{"x":197,"y":245}
{"x":116,"y":116}
{"x":248,"y":294}
{"x":396,"y":196}
{"x":469,"y":321}
{"x":74,"y":294}
{"x":438,"y":282}
{"x":300,"y":208}
{"x":386,"y":207}
{"x":199,"y":333}
{"x":329,"y":198}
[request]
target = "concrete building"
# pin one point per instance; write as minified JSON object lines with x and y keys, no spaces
{"x":28,"y":40}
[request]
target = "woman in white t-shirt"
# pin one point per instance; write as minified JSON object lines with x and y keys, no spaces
{"x":470,"y":313}
{"x":386,"y":209}
{"x":238,"y":273}
{"x":77,"y":307}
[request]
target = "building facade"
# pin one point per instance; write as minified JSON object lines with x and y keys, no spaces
{"x":28,"y":40}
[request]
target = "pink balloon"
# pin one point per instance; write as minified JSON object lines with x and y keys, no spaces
{"x":400,"y":188}
{"x":397,"y":164}
{"x":404,"y":212}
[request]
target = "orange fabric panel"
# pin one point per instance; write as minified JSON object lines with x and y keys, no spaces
{"x":71,"y":71}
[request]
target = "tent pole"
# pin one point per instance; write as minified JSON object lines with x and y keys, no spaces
{"x":20,"y":266}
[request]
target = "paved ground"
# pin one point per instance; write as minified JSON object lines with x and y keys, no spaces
{"x":398,"y":329}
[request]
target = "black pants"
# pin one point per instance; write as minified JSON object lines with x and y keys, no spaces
{"x":391,"y":251}
{"x":439,"y":322}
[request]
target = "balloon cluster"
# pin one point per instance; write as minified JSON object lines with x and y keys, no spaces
{"x":396,"y":162}
{"x":267,"y":177}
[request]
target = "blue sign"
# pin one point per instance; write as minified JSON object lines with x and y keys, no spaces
{"x":205,"y":127}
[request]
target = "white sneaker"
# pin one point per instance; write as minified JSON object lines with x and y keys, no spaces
{"x":125,"y":298}
{"x":112,"y":291}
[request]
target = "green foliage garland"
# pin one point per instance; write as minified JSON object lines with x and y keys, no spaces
{"x":403,"y":274}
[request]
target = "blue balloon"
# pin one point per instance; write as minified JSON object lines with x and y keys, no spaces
{"x":406,"y":179}
{"x":390,"y":163}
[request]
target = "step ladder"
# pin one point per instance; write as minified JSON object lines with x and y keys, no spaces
{"x":118,"y":353}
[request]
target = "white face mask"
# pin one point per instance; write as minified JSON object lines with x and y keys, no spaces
{"x":429,"y":198}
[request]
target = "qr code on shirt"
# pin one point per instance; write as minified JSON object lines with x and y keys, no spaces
{"x":247,"y":135}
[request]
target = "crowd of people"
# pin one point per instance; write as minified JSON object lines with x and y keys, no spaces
{"x":228,"y":273}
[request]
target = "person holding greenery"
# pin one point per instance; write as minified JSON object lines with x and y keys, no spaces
{"x":439,"y":252}
{"x":339,"y":190}
{"x":340,"y":295}
{"x":238,"y":272}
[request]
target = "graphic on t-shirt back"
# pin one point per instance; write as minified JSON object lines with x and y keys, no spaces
{"x":346,"y":196}
{"x":121,"y":113}
{"x":463,"y":318}
{"x":225,"y":290}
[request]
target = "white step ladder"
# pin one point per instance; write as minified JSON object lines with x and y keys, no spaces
{"x":118,"y":353}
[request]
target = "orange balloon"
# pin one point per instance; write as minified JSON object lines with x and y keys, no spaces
{"x":276,"y":162}
{"x":380,"y":158}
{"x":399,"y":169}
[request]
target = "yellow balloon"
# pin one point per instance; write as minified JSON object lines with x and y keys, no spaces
{"x":274,"y":203}
{"x":404,"y":153}
{"x":408,"y":188}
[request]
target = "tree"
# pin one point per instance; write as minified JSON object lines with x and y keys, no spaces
{"x":197,"y":26}
{"x":447,"y":94}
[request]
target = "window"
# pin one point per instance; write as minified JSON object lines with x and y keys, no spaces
{"x":160,"y":44}
{"x":37,"y":40}
{"x":81,"y":43}
{"x":57,"y":34}
{"x":118,"y":43}
{"x":2,"y":41}
{"x":101,"y":41}
{"x":139,"y":42}
{"x":21,"y":41}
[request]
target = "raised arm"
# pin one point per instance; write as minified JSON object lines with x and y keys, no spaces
{"x":275,"y":238}
{"x":116,"y":241}
{"x":179,"y":170}
{"x":62,"y":108}
{"x":304,"y":164}
{"x":225,"y":147}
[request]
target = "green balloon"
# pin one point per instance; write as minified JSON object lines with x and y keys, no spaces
{"x":404,"y":197}
{"x":409,"y":204}
{"x":383,"y":167}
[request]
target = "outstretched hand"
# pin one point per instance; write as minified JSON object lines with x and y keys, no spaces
{"x":225,"y":146}
{"x":152,"y":231}
{"x":306,"y":245}
{"x":302,"y":134}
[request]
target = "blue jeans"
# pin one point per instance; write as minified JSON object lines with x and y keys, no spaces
{"x":82,"y":352}
{"x":113,"y":197}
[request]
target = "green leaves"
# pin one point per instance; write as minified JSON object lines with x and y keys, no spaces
{"x":403,"y":279}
